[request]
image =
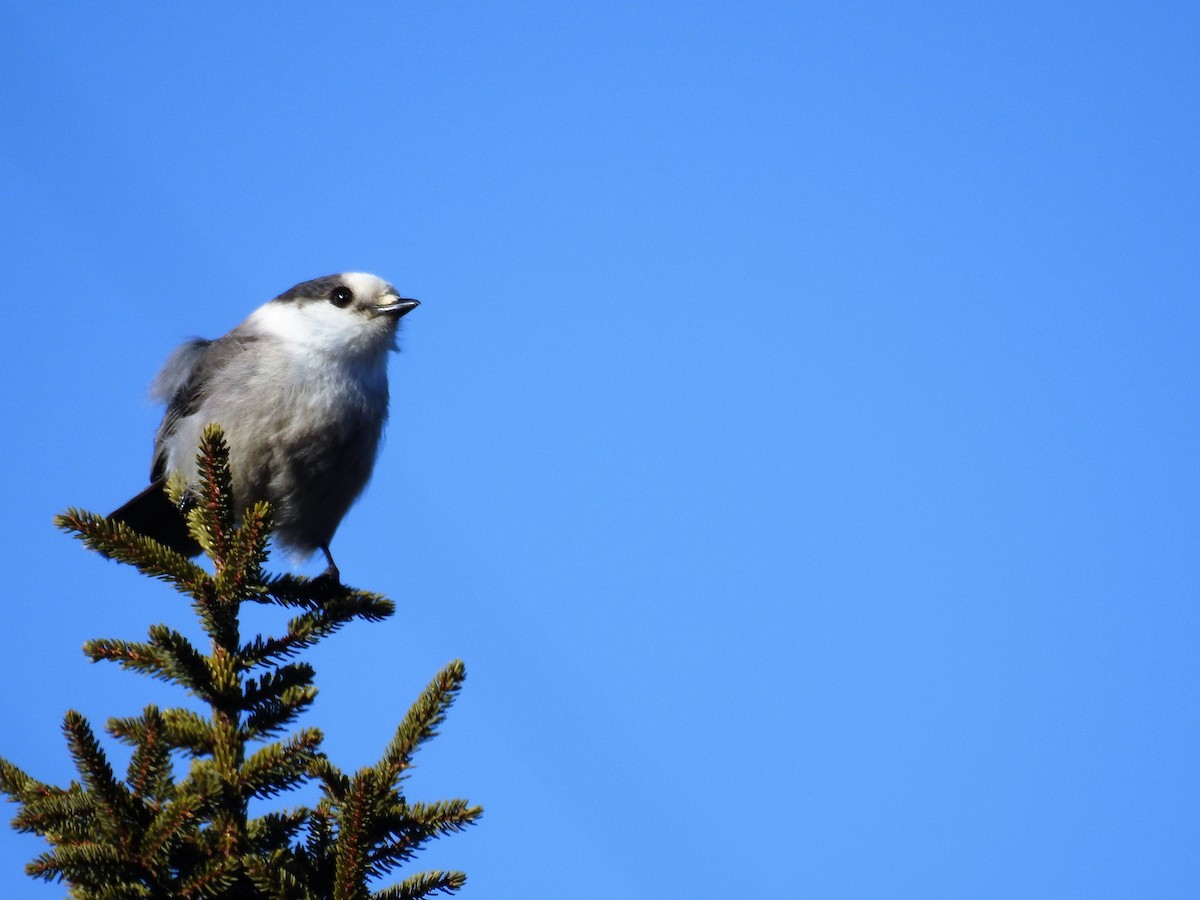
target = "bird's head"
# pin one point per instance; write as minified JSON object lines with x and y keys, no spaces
{"x":348,"y":314}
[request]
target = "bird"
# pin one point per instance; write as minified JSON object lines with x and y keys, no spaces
{"x":300,"y":389}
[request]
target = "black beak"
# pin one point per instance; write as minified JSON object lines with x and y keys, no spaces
{"x":401,"y":307}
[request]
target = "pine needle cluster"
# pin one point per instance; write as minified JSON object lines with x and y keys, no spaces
{"x":156,"y":834}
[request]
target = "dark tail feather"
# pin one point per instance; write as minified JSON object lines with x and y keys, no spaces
{"x":151,"y":513}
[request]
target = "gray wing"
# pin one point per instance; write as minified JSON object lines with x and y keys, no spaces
{"x":181,"y":381}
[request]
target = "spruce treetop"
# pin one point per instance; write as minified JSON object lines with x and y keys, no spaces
{"x":156,"y":833}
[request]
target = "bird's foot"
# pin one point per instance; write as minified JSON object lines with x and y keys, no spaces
{"x":331,"y":575}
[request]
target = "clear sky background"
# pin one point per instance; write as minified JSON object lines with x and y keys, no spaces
{"x":798,"y":438}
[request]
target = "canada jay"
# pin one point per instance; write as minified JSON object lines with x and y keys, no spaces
{"x":300,"y":390}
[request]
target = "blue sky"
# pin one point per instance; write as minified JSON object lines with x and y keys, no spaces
{"x":797,"y":439}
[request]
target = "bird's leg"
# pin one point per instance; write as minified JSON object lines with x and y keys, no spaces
{"x":331,"y":572}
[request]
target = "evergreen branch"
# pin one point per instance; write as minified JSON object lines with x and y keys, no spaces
{"x":132,"y":730}
{"x":274,"y":875}
{"x":269,"y":651}
{"x":424,"y":884}
{"x":277,"y":829}
{"x":189,"y":731}
{"x":336,"y":784}
{"x":69,"y":813}
{"x":358,"y":605}
{"x":351,"y":869}
{"x":171,"y":825}
{"x":280,"y":767}
{"x":121,"y":891}
{"x":135,"y":655}
{"x":150,"y":771}
{"x":118,"y":892}
{"x":46,"y":867}
{"x":277,"y":698}
{"x":80,"y":863}
{"x":188,"y":666}
{"x":116,"y":540}
{"x":412,"y":827}
{"x":168,"y":657}
{"x":217,"y":618}
{"x":441,"y":818}
{"x":318,"y":851}
{"x":272,"y":716}
{"x":205,"y":782}
{"x":153,"y":837}
{"x":112,"y":797}
{"x":310,"y":627}
{"x":218,"y":614}
{"x":422,"y":720}
{"x":213,"y":878}
{"x":225,"y":669}
{"x":274,"y":684}
{"x":20,"y":786}
{"x":96,"y":870}
{"x":317,"y":593}
{"x":242,"y":572}
{"x":211,"y":520}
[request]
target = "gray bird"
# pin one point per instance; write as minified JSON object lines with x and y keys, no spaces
{"x":300,"y":389}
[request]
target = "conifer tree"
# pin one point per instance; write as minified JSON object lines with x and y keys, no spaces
{"x":157,"y":833}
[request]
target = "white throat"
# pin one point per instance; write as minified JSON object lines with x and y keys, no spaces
{"x":323,"y":329}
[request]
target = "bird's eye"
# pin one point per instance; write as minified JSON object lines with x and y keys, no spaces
{"x":341,"y":295}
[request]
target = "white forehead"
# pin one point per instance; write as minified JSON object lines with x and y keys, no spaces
{"x":365,"y":284}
